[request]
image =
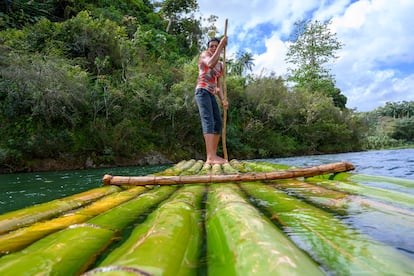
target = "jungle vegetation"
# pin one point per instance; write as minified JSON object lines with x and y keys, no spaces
{"x":103,"y":82}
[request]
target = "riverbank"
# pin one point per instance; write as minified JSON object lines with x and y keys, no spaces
{"x":77,"y":163}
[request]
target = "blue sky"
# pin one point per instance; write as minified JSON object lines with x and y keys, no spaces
{"x":375,"y":65}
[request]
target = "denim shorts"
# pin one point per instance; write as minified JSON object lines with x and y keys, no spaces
{"x":209,"y":111}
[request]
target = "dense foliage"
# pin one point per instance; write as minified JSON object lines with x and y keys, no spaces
{"x":112,"y":83}
{"x":390,"y":126}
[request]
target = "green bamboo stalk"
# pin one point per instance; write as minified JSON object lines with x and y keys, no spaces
{"x":65,"y":252}
{"x":123,"y":215}
{"x":264,"y":166}
{"x":240,"y":241}
{"x":339,"y":248}
{"x":391,"y":196}
{"x":337,"y":195}
{"x":206,"y":169}
{"x":194,"y":169}
{"x":23,"y":217}
{"x":22,"y":237}
{"x":403,"y":185}
{"x":167,"y":243}
{"x":228,"y":169}
{"x":381,"y":220}
{"x":173,"y":169}
{"x":216,"y":169}
{"x":339,"y":202}
{"x":237,"y":165}
{"x":178,"y":168}
{"x":72,"y":250}
{"x":321,"y":197}
{"x":365,"y":178}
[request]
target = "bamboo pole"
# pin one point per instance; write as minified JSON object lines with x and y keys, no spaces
{"x":334,"y":244}
{"x":26,"y":216}
{"x":332,"y":197}
{"x":223,"y":135}
{"x":339,"y":201}
{"x":22,"y":237}
{"x":67,"y":252}
{"x":240,"y":241}
{"x":72,"y":250}
{"x":178,"y":168}
{"x":168,"y":242}
{"x":193,"y":179}
{"x":391,"y":196}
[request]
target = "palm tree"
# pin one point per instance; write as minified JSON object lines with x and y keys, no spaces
{"x":246,"y":60}
{"x":242,"y":63}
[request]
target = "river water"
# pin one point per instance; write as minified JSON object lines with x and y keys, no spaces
{"x":392,"y":163}
{"x":25,"y":189}
{"x":20,"y":190}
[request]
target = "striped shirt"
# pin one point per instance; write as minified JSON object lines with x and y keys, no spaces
{"x":207,"y":77}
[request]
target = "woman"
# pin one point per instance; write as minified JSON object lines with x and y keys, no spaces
{"x":208,"y":86}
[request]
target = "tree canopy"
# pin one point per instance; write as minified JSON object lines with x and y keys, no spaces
{"x":312,"y":47}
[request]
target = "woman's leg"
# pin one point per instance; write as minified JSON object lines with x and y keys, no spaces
{"x":211,"y":123}
{"x":212,"y":141}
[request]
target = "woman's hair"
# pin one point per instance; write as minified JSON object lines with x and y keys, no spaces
{"x":211,"y":40}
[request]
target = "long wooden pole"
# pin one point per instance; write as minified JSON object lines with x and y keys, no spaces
{"x":223,"y":134}
{"x":208,"y":179}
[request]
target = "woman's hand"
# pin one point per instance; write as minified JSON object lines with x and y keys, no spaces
{"x":225,"y":104}
{"x":223,"y":42}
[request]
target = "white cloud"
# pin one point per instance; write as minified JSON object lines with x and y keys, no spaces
{"x":377,"y":53}
{"x":375,"y":65}
{"x":272,"y":61}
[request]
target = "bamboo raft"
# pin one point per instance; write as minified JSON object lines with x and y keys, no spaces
{"x":240,"y":218}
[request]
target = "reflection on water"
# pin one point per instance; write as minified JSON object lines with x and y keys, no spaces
{"x":392,"y":229}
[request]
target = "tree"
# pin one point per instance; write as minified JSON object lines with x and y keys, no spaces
{"x":19,"y":13}
{"x":242,"y":64}
{"x":403,"y":109}
{"x":312,"y":47}
{"x":181,"y":23}
{"x":173,"y":10}
{"x":404,"y":129}
{"x":210,"y":30}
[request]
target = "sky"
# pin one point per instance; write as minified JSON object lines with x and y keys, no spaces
{"x":375,"y":64}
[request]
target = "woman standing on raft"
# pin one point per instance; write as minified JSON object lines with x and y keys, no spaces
{"x":208,"y":85}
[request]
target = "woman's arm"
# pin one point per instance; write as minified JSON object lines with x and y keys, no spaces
{"x":211,"y":60}
{"x":220,"y":94}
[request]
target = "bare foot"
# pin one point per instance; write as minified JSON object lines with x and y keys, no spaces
{"x":216,"y":160}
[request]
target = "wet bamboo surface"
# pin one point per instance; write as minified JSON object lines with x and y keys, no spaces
{"x":240,"y":218}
